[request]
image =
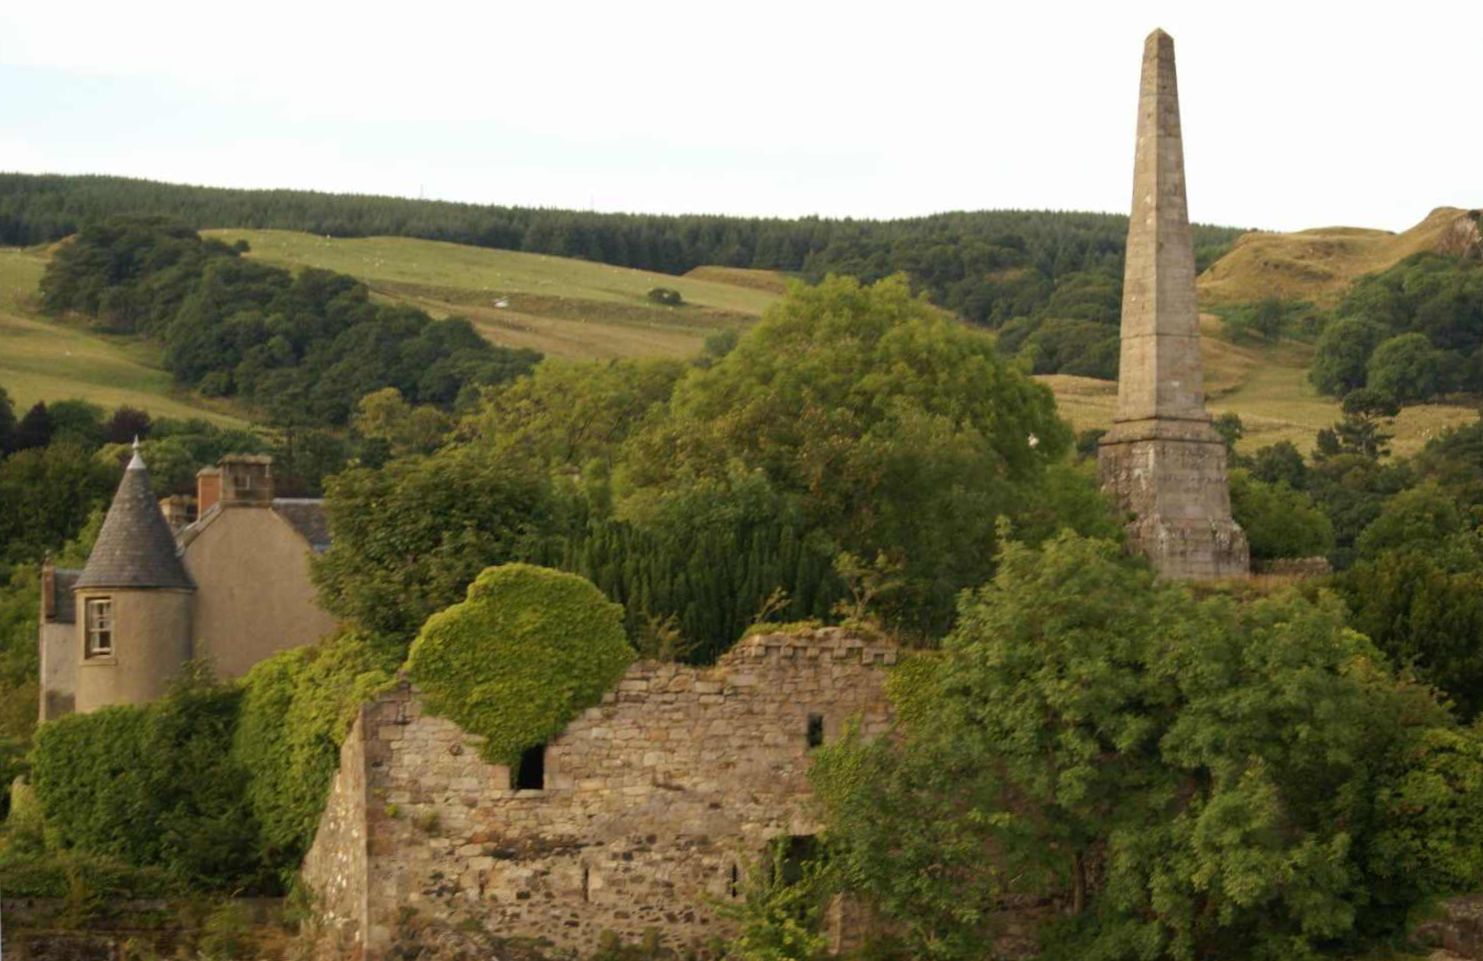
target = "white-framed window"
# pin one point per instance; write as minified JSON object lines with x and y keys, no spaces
{"x":98,"y":623}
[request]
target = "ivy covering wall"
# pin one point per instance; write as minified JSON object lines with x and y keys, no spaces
{"x":528,"y":650}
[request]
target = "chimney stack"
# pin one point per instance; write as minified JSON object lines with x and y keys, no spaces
{"x":246,"y":480}
{"x":208,"y":489}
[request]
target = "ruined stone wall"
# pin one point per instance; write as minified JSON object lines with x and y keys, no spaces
{"x":335,"y":867}
{"x":655,"y":803}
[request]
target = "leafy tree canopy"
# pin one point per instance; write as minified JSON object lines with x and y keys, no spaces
{"x":890,"y":426}
{"x":1187,"y":778}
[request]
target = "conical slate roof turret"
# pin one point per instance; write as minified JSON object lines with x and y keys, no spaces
{"x":135,"y":546}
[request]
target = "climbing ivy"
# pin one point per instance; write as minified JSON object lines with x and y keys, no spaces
{"x":519,"y":658}
{"x":297,"y":708}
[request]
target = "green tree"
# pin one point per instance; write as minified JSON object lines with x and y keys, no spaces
{"x":1423,"y":517}
{"x":385,"y":416}
{"x":409,"y":538}
{"x":7,"y":422}
{"x":47,"y":494}
{"x":1423,"y":606}
{"x":1407,"y":368}
{"x":890,"y":426}
{"x":1342,"y":354}
{"x":1280,"y":463}
{"x":1187,"y":778}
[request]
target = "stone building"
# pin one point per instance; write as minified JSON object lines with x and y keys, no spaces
{"x":1162,"y":460}
{"x":230,"y":588}
{"x":644,"y":813}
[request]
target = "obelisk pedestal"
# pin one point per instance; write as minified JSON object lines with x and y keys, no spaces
{"x":1162,"y":460}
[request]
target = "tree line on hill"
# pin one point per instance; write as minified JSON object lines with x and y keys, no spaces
{"x":302,"y":348}
{"x":988,"y":266}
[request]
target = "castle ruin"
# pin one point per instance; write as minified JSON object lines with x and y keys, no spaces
{"x":648,"y":811}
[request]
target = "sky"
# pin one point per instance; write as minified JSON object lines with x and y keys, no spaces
{"x":1296,"y":114}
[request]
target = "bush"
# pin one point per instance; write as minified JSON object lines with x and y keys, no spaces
{"x":65,"y":874}
{"x":1279,"y":521}
{"x":297,"y":708}
{"x":667,"y":296}
{"x":153,"y":786}
{"x":525,"y":653}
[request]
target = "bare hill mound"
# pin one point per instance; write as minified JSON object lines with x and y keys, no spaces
{"x":772,"y":281}
{"x":1319,"y":265}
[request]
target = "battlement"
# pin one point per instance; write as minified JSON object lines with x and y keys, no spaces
{"x":836,"y":643}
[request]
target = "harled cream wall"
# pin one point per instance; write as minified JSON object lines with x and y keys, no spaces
{"x":151,"y":642}
{"x":254,"y":597}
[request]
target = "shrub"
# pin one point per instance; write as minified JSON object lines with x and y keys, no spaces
{"x":297,"y":708}
{"x":1279,"y":521}
{"x":517,"y":660}
{"x":667,"y":296}
{"x":152,"y":786}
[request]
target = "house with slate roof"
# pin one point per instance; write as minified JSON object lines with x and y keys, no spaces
{"x":228,"y":586}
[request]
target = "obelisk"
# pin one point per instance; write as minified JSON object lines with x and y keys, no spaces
{"x":1162,"y":460}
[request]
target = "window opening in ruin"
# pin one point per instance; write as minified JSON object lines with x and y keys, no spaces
{"x":99,"y":621}
{"x":530,"y":774}
{"x":790,"y":857}
{"x":733,"y":886}
{"x":586,"y":883}
{"x":815,"y":730}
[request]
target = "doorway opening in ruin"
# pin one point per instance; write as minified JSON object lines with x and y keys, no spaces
{"x":530,"y":773}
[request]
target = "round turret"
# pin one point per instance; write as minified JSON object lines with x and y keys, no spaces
{"x":133,"y":602}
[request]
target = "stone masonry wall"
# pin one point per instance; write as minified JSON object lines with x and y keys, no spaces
{"x":655,"y":802}
{"x":335,"y":867}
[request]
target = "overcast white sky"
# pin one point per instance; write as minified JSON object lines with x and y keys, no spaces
{"x":1296,"y":114}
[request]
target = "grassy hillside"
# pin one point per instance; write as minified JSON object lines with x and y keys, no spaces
{"x":564,"y":308}
{"x":1268,"y":388}
{"x":1319,"y":265}
{"x":582,"y":310}
{"x":772,"y":281}
{"x":44,"y":360}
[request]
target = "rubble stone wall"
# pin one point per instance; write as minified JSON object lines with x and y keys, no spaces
{"x":654,"y":806}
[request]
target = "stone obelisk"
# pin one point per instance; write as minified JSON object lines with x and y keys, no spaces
{"x":1162,"y":460}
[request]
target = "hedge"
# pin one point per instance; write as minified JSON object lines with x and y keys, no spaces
{"x":152,"y":786}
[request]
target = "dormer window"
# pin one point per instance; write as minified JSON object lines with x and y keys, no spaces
{"x":99,"y":627}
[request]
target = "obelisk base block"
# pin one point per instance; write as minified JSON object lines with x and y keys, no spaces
{"x":1171,"y":477}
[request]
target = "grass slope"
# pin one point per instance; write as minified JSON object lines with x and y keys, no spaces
{"x":581,"y":310}
{"x":1319,"y":265}
{"x":1268,"y":388}
{"x":566,"y":308}
{"x":42,"y":360}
